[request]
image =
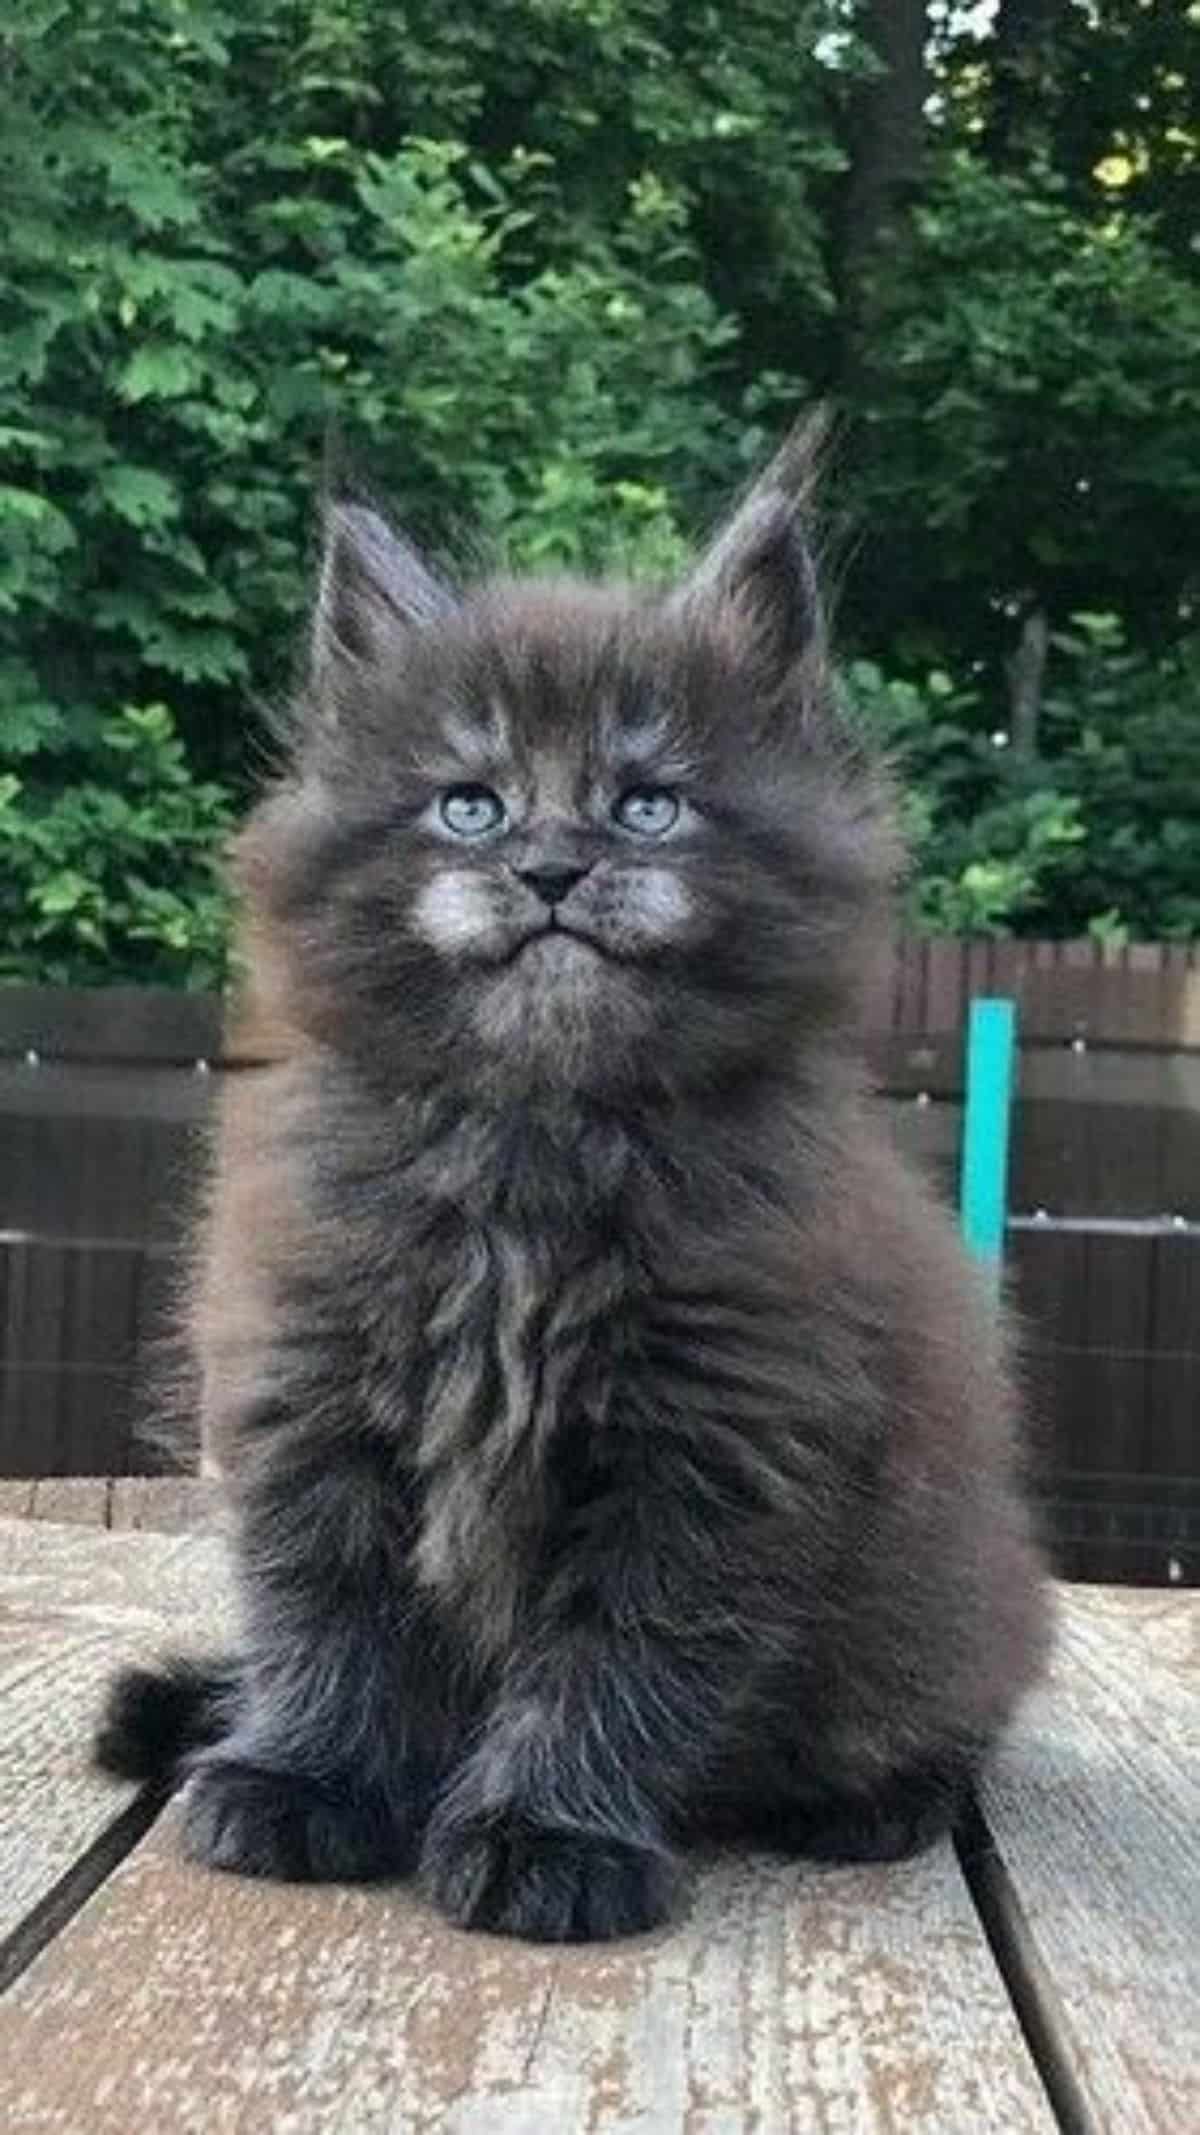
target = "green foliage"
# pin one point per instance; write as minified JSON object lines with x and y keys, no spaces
{"x":557,"y":274}
{"x":1096,"y":833}
{"x":1122,"y":730}
{"x":107,"y":871}
{"x":1035,"y":431}
{"x":207,"y":261}
{"x":216,"y":261}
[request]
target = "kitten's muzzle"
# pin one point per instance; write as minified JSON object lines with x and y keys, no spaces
{"x":552,"y":882}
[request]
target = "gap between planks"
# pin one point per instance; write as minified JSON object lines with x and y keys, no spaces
{"x":1034,"y":1998}
{"x":161,"y":1504}
{"x":63,"y":1900}
{"x":1029,"y":1989}
{"x":988,"y":1885}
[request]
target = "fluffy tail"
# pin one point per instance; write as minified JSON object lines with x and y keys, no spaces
{"x":154,"y":1718}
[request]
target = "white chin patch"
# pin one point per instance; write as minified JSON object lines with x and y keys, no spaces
{"x":455,"y":912}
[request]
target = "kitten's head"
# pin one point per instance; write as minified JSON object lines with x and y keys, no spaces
{"x":567,"y":833}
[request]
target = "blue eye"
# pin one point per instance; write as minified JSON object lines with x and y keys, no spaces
{"x":471,"y":811}
{"x":650,"y":811}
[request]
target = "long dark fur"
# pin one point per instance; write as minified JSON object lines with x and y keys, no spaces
{"x":618,"y":1445}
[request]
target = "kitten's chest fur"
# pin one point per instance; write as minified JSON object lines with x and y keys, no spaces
{"x":507,"y":1278}
{"x":553,"y":1300}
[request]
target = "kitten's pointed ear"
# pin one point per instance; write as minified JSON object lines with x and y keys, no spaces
{"x":373,"y":587}
{"x":761,"y":562}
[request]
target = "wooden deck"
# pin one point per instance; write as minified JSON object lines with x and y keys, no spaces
{"x":1045,"y":1975}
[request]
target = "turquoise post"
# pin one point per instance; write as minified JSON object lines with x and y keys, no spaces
{"x":983,"y":1188}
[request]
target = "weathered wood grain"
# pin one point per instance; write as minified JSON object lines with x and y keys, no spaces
{"x":789,"y":1998}
{"x":786,"y":1997}
{"x":73,"y":1602}
{"x":164,"y":1504}
{"x":1094,"y":1812}
{"x":71,"y":1500}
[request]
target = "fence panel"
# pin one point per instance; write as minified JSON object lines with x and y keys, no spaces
{"x":1112,"y":1372}
{"x":105,"y":1097}
{"x":78,"y":1317}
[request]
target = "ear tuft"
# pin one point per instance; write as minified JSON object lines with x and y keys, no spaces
{"x":373,"y":588}
{"x":761,"y":562}
{"x":766,"y":571}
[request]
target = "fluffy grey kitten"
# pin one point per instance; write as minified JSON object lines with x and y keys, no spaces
{"x":619,"y":1448}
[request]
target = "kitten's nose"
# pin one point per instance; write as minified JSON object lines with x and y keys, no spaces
{"x":552,"y":882}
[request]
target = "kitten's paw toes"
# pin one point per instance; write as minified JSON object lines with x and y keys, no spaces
{"x":254,"y":1822}
{"x":512,"y":1878}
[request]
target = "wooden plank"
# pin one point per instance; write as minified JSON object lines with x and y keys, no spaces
{"x":32,"y":1294}
{"x":173,"y":1094}
{"x":1105,"y":1080}
{"x":1047,"y":1274}
{"x":1171,"y":1446}
{"x":1142,"y":1003}
{"x":109,"y":1023}
{"x":946,"y":985}
{"x":1115,"y":1368}
{"x":73,"y":1602}
{"x":100,"y":1331}
{"x":1181,"y":1135}
{"x":979,"y":963}
{"x":164,"y":1504}
{"x":1006,"y":962}
{"x":100,"y":1151}
{"x":1148,"y":960}
{"x":911,"y":987}
{"x":1110,"y":1374}
{"x":70,"y":1312}
{"x":1144,"y":995}
{"x":1094,"y":1812}
{"x":1150,"y":995}
{"x":73,"y":1500}
{"x":126,"y":1179}
{"x":1060,"y":1147}
{"x":909,"y":1064}
{"x":80,"y":1319}
{"x":1107,"y":1132}
{"x":785,"y":1996}
{"x":157,"y":1504}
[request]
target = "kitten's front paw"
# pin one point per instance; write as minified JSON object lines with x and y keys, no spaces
{"x":510,"y":1877}
{"x":255,"y":1822}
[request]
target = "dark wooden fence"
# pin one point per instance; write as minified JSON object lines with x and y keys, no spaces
{"x":105,"y":1098}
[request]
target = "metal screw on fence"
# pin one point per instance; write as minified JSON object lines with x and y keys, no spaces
{"x":33,"y":1058}
{"x":200,"y":1067}
{"x":921,"y":1099}
{"x":1079,"y":1045}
